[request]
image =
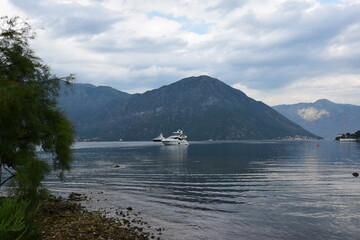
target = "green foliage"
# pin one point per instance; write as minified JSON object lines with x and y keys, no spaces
{"x":29,"y":114}
{"x":14,"y":222}
{"x":28,"y":181}
{"x":355,"y":135}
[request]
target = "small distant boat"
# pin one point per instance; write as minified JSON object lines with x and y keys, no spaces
{"x":158,"y":138}
{"x":178,"y":138}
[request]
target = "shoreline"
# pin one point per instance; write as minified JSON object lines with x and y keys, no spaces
{"x":65,"y":218}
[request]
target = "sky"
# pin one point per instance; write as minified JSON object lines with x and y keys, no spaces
{"x":275,"y":51}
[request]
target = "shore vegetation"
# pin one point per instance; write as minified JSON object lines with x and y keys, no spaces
{"x":355,"y":136}
{"x":29,"y":119}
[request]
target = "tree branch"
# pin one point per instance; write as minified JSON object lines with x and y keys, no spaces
{"x":2,"y":183}
{"x":12,"y":174}
{"x":0,"y":171}
{"x":8,"y":170}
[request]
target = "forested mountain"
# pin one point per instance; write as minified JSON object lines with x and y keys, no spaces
{"x":323,"y":117}
{"x":204,"y":107}
{"x":82,"y":102}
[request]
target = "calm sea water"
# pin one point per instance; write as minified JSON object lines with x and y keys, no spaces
{"x":226,"y":190}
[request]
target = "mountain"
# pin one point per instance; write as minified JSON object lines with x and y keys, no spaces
{"x":82,"y":101}
{"x":204,"y":107}
{"x":323,"y":117}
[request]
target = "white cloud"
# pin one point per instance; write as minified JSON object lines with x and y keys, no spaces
{"x":7,"y":9}
{"x":312,"y":114}
{"x":271,"y":47}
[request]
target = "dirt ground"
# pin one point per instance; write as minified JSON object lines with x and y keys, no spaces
{"x":64,"y":219}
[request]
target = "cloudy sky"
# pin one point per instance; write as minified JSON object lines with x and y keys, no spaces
{"x":276,"y":51}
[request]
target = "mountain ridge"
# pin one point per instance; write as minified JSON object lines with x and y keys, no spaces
{"x":204,"y":107}
{"x":323,"y":117}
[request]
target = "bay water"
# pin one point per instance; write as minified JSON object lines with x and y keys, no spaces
{"x":225,"y":190}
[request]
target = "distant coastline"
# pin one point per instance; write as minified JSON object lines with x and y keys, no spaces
{"x":348,"y":137}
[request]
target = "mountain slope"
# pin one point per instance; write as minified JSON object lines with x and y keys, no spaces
{"x":82,"y":101}
{"x":203,"y":107}
{"x":323,"y":117}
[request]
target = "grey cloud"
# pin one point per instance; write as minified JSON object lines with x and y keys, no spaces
{"x":69,"y":19}
{"x":294,"y":5}
{"x":227,"y":6}
{"x":324,"y":25}
{"x":79,"y":26}
{"x":298,"y":53}
{"x":139,"y":45}
{"x":276,"y":50}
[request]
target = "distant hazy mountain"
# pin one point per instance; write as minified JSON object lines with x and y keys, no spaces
{"x":204,"y":107}
{"x":324,"y":118}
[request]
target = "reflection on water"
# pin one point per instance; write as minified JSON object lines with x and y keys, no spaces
{"x":227,"y":190}
{"x":175,"y":153}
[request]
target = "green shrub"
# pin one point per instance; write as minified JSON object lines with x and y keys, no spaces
{"x":14,"y":223}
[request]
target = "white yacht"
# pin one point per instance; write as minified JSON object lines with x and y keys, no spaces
{"x":158,"y":138}
{"x":178,"y":138}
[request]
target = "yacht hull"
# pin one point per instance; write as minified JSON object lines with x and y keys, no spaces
{"x":157,"y":140}
{"x":174,"y":142}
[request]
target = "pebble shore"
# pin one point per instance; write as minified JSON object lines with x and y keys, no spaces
{"x":64,"y":219}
